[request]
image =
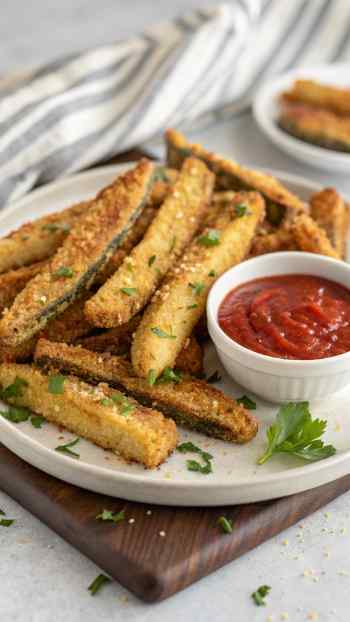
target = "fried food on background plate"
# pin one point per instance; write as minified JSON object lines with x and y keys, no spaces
{"x":100,"y":414}
{"x":83,"y":254}
{"x":190,"y":402}
{"x":172,"y":228}
{"x":319,"y":95}
{"x":328,"y":209}
{"x":177,"y":306}
{"x":316,"y":126}
{"x":281,"y":204}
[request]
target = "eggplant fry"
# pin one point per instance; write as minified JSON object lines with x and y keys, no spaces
{"x":84,"y":253}
{"x":280,"y":203}
{"x":311,"y":238}
{"x":280,"y":240}
{"x":106,"y":417}
{"x":38,"y":240}
{"x":319,"y":96}
{"x":318,"y":127}
{"x":172,"y":228}
{"x":330,"y":212}
{"x":12,"y":282}
{"x":179,"y":303}
{"x":191,"y":403}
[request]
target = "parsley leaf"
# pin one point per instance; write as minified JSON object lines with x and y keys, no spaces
{"x":197,"y":287}
{"x":58,"y":226}
{"x":111,"y":517}
{"x":212,"y":273}
{"x":259,"y":595}
{"x":6,"y":522}
{"x":192,"y":306}
{"x":211,"y":238}
{"x":67,"y":273}
{"x":170,"y":375}
{"x":37,"y":421}
{"x":151,"y":377}
{"x":161,"y":333}
{"x":16,"y":414}
{"x":246,"y":402}
{"x":193,"y":465}
{"x":66,"y":449}
{"x":215,"y":377}
{"x":97,"y":583}
{"x":294,"y":432}
{"x":129,"y":291}
{"x":241,"y":209}
{"x":15,"y":389}
{"x":127,"y":408}
{"x":56,"y":384}
{"x":152,"y":260}
{"x":225,"y":524}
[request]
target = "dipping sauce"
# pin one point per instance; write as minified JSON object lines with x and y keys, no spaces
{"x":294,"y":316}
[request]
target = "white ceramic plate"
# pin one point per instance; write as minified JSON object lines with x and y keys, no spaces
{"x":236,"y":477}
{"x":266,"y":111}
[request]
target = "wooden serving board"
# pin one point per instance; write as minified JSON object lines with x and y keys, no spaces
{"x":149,"y":565}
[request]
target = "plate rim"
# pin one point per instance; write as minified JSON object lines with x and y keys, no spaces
{"x":49,"y":455}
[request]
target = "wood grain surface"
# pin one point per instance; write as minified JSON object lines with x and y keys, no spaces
{"x":151,"y":565}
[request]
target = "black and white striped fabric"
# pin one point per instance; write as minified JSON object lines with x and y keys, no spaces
{"x":195,"y":70}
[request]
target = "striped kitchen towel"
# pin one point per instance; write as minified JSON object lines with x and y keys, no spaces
{"x":192,"y":71}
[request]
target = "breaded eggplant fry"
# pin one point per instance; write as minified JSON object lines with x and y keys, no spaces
{"x":12,"y":282}
{"x":102,"y":415}
{"x":311,"y":238}
{"x":38,"y":240}
{"x":84,"y":253}
{"x":280,"y":240}
{"x":330,"y":212}
{"x":280,"y":203}
{"x":190,"y":358}
{"x":191,"y":403}
{"x":179,"y":303}
{"x":172,"y":228}
{"x":319,"y":96}
{"x":163,"y":186}
{"x":318,"y":127}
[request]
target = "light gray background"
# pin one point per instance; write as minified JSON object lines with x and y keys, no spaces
{"x":41,"y":577}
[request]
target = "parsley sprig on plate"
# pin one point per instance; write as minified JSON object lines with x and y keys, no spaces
{"x":193,"y":465}
{"x":295,"y":432}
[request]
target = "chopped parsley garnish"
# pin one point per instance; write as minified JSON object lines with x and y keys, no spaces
{"x":161,"y":333}
{"x":194,"y":306}
{"x":241,"y":209}
{"x":225,"y":524}
{"x":193,"y":465}
{"x":63,"y":271}
{"x":212,"y":273}
{"x":259,"y":595}
{"x":16,"y":414}
{"x":6,"y":522}
{"x":215,"y":377}
{"x":197,"y":287}
{"x":247,"y":402}
{"x":97,"y":583}
{"x":59,"y":226}
{"x":106,"y":401}
{"x":129,"y":291}
{"x":152,"y":260}
{"x":66,"y":449}
{"x":172,"y":245}
{"x":15,"y":389}
{"x":211,"y":238}
{"x":111,"y":517}
{"x":151,"y":377}
{"x":56,"y":384}
{"x":295,"y":432}
{"x":170,"y":375}
{"x":37,"y":421}
{"x":127,"y":408}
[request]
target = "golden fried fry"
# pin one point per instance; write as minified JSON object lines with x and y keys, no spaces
{"x":280,"y":240}
{"x":12,"y":282}
{"x":311,"y":238}
{"x":330,"y":212}
{"x":319,"y":96}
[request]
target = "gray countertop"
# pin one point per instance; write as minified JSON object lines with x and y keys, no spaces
{"x":43,"y":578}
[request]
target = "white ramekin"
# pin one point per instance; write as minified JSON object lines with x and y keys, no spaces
{"x":275,"y":379}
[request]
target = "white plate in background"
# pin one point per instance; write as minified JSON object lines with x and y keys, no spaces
{"x":266,"y":112}
{"x":236,"y":477}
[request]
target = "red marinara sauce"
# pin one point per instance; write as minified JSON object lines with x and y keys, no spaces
{"x":294,"y":316}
